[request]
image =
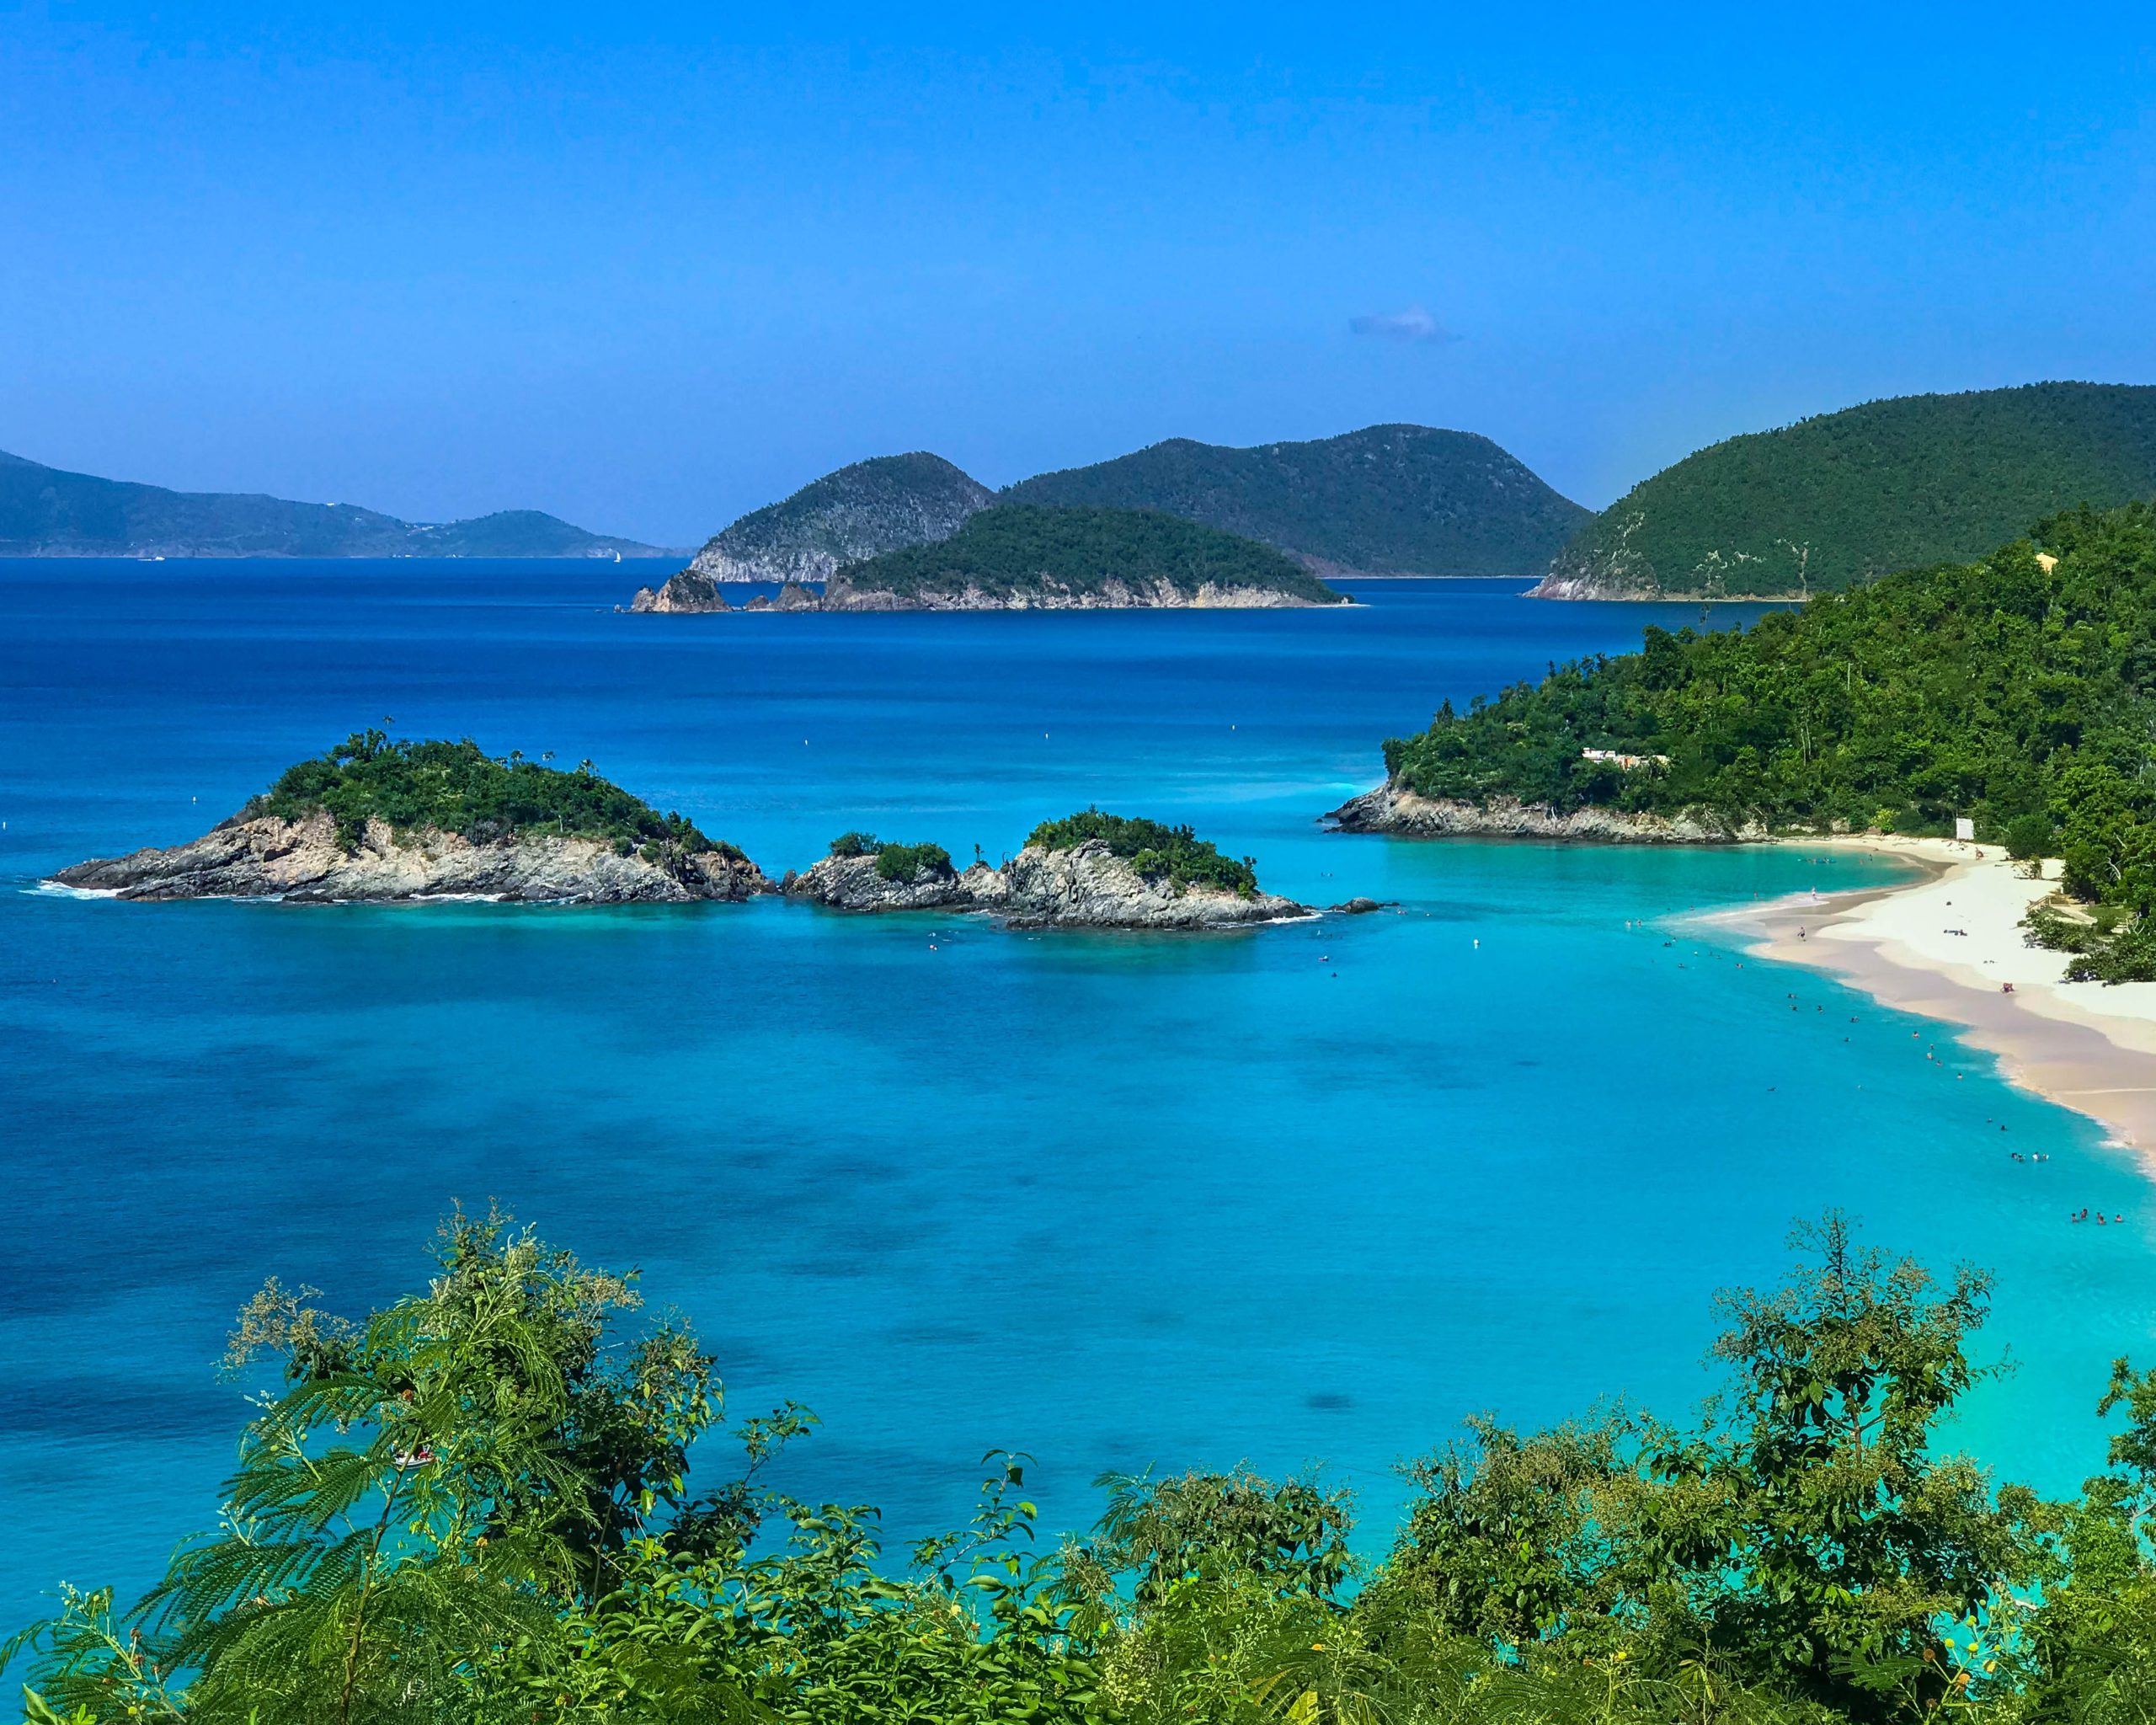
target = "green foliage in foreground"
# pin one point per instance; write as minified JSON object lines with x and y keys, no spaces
{"x":457,"y":788}
{"x":1815,"y":506}
{"x":1174,"y":853}
{"x":1027,"y":550}
{"x":473,"y":1508}
{"x":893,"y":861}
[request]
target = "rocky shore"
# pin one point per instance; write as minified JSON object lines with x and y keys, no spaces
{"x":301,"y":860}
{"x":1083,"y":886}
{"x":1113,"y":594}
{"x":692,"y":591}
{"x":1393,"y":808}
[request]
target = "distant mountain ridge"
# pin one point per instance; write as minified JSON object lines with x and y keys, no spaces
{"x":1905,"y":483}
{"x":1387,"y":499}
{"x":883,"y":504}
{"x":49,"y":512}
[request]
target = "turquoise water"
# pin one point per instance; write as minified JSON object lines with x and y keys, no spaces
{"x":1309,"y":1193}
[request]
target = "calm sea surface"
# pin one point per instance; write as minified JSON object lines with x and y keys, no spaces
{"x":1306,"y":1194}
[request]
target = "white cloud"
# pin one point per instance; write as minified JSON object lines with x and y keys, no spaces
{"x":1414,"y":324}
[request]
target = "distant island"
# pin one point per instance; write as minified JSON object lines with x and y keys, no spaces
{"x":46,"y":512}
{"x":1386,"y":500}
{"x":857,"y":512}
{"x":1838,"y":498}
{"x":383,"y":822}
{"x":1019,"y":557}
{"x":1090,"y":870}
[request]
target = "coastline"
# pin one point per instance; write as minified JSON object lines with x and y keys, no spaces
{"x":1944,"y":944}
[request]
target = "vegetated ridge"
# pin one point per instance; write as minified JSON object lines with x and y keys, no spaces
{"x":45,"y":512}
{"x":2018,"y":691}
{"x":1815,"y":506}
{"x":1028,"y":557}
{"x":1804,"y":1550}
{"x":389,"y":820}
{"x":1389,"y":500}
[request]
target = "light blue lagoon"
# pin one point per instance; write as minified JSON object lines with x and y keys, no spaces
{"x":1310,"y":1193}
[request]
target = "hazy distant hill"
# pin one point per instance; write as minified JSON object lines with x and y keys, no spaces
{"x":883,"y":504}
{"x":1390,"y":499}
{"x":45,"y":512}
{"x":1892,"y":484}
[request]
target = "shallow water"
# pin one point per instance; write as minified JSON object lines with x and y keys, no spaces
{"x":1309,"y":1193}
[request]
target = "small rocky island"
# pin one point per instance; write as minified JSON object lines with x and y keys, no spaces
{"x":1091,"y":870}
{"x":381,"y":821}
{"x":1031,"y":557}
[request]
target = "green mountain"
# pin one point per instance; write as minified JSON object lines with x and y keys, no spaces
{"x":45,"y":512}
{"x":1892,"y":484}
{"x":857,"y":512}
{"x":2018,"y":691}
{"x":1390,"y":500}
{"x":1026,"y":557}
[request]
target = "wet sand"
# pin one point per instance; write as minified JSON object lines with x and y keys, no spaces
{"x":1943,"y":944}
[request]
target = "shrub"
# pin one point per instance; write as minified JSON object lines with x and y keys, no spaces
{"x":1174,"y":853}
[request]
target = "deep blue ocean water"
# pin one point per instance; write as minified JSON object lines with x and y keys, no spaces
{"x":1310,"y":1193}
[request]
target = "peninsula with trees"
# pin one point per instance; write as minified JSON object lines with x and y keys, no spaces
{"x":2017,"y":691}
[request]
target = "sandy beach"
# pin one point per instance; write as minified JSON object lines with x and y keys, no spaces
{"x":1945,"y":944}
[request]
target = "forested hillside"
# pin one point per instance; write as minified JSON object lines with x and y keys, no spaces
{"x":1390,"y":499}
{"x":1892,"y":484}
{"x":2019,"y":691}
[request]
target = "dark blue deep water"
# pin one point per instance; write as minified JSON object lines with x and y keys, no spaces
{"x":1310,"y":1193}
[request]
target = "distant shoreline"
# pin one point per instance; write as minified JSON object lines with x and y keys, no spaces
{"x":1942,"y":945}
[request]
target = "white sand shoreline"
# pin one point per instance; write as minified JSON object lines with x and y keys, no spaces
{"x":1944,"y":945}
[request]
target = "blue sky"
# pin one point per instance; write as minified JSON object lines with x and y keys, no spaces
{"x":647,"y":267}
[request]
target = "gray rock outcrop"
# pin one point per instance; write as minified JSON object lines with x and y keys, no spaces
{"x":856,"y":883}
{"x":1084,"y":886}
{"x":1393,"y":808}
{"x":264,"y":856}
{"x":687,"y":591}
{"x":841,"y":594}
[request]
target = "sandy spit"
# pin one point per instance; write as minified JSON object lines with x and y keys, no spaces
{"x":1945,"y":944}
